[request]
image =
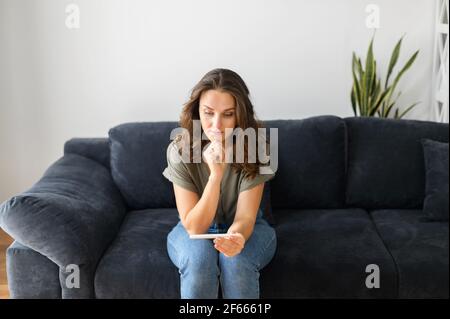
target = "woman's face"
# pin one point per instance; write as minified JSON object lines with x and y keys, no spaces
{"x":217,"y":111}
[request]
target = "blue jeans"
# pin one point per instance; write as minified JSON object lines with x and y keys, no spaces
{"x":201,"y":266}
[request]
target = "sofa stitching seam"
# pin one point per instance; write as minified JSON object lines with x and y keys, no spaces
{"x":397,"y":283}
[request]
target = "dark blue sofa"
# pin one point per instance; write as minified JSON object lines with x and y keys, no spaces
{"x":348,"y":193}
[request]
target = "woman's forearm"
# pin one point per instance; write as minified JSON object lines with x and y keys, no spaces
{"x":201,"y":216}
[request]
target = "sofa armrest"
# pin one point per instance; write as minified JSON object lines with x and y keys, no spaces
{"x":70,"y":216}
{"x":96,"y":148}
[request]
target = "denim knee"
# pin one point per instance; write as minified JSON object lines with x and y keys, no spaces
{"x":197,"y":263}
{"x":183,"y":250}
{"x":201,"y":257}
{"x":239,"y":278}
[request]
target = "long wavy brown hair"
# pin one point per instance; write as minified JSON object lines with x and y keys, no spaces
{"x":224,"y":80}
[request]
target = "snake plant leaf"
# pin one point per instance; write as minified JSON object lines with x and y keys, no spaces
{"x":377,"y":90}
{"x":369,"y":97}
{"x":356,"y":93}
{"x":407,"y":65}
{"x":373,"y":84}
{"x":408,"y":109}
{"x":393,"y":60}
{"x":388,"y":110}
{"x":356,"y":89}
{"x":353,"y":99}
{"x":374,"y":94}
{"x":396,"y":114}
{"x":403,"y":70}
{"x":360,"y":69}
{"x":368,"y":74}
{"x":379,"y":102}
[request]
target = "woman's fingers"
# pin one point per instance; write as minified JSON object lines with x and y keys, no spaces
{"x":227,"y":246}
{"x":214,"y":152}
{"x":227,"y":243}
{"x":237,"y":238}
{"x":226,"y":252}
{"x":222,"y":250}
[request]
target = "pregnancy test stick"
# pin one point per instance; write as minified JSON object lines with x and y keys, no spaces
{"x":207,"y":236}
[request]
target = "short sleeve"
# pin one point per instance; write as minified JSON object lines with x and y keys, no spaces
{"x":177,"y":171}
{"x":247,"y":183}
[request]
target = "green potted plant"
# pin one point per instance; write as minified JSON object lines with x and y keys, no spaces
{"x":368,"y":96}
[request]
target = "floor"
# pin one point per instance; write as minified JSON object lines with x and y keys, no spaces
{"x":5,"y":241}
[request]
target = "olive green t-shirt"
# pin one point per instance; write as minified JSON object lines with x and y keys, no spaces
{"x":194,"y":177}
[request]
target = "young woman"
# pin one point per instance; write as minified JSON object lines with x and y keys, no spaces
{"x":213,"y":196}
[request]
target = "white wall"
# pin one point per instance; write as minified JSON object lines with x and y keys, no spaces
{"x":137,"y":61}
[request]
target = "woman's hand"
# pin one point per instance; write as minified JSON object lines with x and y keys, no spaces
{"x":231,"y":245}
{"x":214,"y":157}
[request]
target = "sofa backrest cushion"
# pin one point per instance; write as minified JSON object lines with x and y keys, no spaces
{"x":311,"y":168}
{"x":311,"y":163}
{"x":138,"y":157}
{"x":386,"y":161}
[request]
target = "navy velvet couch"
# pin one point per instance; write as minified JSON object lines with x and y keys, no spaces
{"x":348,"y":193}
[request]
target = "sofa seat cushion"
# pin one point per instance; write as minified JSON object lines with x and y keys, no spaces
{"x":420,"y":250}
{"x":323,"y":253}
{"x":136,"y":265}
